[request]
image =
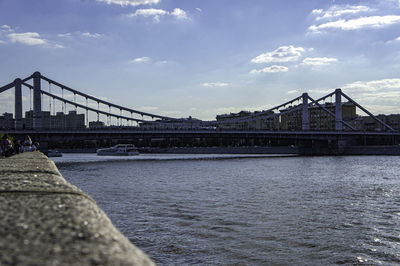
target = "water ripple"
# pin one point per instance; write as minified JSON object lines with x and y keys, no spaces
{"x":252,"y":211}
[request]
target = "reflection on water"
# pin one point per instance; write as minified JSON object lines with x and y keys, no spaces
{"x":288,"y":210}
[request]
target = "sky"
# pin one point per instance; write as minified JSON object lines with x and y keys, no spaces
{"x":202,"y":58}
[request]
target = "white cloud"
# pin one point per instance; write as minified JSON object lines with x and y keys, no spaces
{"x":179,"y":14}
{"x":91,"y":35}
{"x":66,"y":35}
{"x":318,"y":61}
{"x":339,"y":11}
{"x":29,"y":38}
{"x":270,"y":69}
{"x":6,"y":28}
{"x":374,"y":86}
{"x":317,"y":11}
{"x":131,"y":2}
{"x":143,"y":59}
{"x":293,"y":91}
{"x":199,"y":9}
{"x":58,"y":46}
{"x":358,"y":23}
{"x":156,"y":14}
{"x":282,"y":54}
{"x":215,"y":84}
{"x":377,"y":96}
{"x":149,"y":12}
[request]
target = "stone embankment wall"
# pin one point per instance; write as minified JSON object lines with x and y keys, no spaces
{"x":44,"y":220}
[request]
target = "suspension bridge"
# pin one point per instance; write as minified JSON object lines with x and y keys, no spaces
{"x":315,"y":124}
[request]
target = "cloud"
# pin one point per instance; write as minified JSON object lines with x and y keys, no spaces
{"x":130,"y":2}
{"x":358,"y":23}
{"x":57,"y":46}
{"x":149,"y":12}
{"x":215,"y":84}
{"x":318,"y":61}
{"x":29,"y":38}
{"x":374,"y":86}
{"x":91,"y":35}
{"x":199,"y":9}
{"x":6,"y":28}
{"x":317,"y":11}
{"x":270,"y":69}
{"x":156,"y":14}
{"x":293,"y":91}
{"x":339,"y":11}
{"x":179,"y":13}
{"x":282,"y":54}
{"x":143,"y":59}
{"x":64,"y":35}
{"x":377,"y":96}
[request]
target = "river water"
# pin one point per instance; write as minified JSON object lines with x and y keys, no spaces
{"x":221,"y":209}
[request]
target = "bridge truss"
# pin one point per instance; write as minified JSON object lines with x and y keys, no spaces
{"x":297,"y":110}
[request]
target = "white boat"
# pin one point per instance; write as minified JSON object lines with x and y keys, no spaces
{"x":54,"y":153}
{"x":119,"y":150}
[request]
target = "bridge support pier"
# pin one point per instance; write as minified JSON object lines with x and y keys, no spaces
{"x":37,"y":101}
{"x":18,"y":104}
{"x":305,"y":125}
{"x":338,"y":110}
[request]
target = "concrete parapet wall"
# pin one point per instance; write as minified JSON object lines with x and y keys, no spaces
{"x":44,"y":220}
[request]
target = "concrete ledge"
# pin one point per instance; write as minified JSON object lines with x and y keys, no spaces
{"x":44,"y":220}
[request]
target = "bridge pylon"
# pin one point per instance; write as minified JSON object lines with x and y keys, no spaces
{"x":18,"y":103}
{"x":338,"y":110}
{"x":37,"y":101}
{"x":305,"y":125}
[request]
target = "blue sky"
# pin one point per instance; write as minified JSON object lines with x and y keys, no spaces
{"x":206,"y":57}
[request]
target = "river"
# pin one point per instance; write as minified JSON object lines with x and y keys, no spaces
{"x":222,"y":209}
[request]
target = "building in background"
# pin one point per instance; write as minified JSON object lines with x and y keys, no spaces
{"x":318,"y":117}
{"x":72,"y":120}
{"x":258,"y":120}
{"x":287,"y":119}
{"x":7,"y":121}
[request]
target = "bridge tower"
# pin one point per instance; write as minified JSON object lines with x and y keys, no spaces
{"x":338,"y":110}
{"x":18,"y":103}
{"x":305,"y":125}
{"x":37,"y":101}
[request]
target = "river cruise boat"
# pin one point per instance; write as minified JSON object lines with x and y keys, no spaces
{"x":119,"y":150}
